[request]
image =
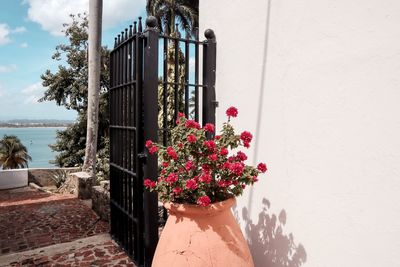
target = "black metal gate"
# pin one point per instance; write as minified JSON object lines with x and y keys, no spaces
{"x":147,"y":91}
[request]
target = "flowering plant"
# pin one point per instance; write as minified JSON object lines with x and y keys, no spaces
{"x":201,"y":170}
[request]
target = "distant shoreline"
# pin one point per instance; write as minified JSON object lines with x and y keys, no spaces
{"x":30,"y":126}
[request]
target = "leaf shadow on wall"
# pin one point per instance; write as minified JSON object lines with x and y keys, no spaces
{"x":268,"y":243}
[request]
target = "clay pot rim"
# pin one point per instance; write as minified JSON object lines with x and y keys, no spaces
{"x":193,"y":209}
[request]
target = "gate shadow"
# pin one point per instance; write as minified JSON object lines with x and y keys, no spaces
{"x":269,"y":245}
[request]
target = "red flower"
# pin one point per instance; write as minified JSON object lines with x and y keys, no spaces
{"x":180,"y":145}
{"x":210,"y":144}
{"x":177,"y":190}
{"x":213,"y":157}
{"x":171,"y":152}
{"x":171,"y":178}
{"x":217,"y":137}
{"x":205,"y":168}
{"x":180,"y":115}
{"x":221,"y":183}
{"x":231,"y":159}
{"x":189,"y":165}
{"x":149,"y":183}
{"x":191,"y":138}
{"x":241,"y":156}
{"x":227,"y":165}
{"x":204,"y":201}
{"x":223,"y":151}
{"x":209,"y":127}
{"x":149,"y":143}
{"x":262,"y":167}
{"x":246,"y":137}
{"x":165,"y":164}
{"x":192,"y":124}
{"x":232,"y":112}
{"x":255,"y":179}
{"x":246,"y":144}
{"x":205,"y":178}
{"x":191,"y":184}
{"x":153,"y":149}
{"x":237,"y":168}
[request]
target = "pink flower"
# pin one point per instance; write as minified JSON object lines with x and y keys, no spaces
{"x":204,"y":201}
{"x":210,"y":144}
{"x":223,"y":151}
{"x":149,"y":143}
{"x":241,"y":156}
{"x":205,"y":178}
{"x":255,"y":179}
{"x":171,"y":178}
{"x":191,"y":138}
{"x":189,"y":165}
{"x":191,"y":184}
{"x":153,"y":149}
{"x":192,"y":124}
{"x":262,"y":167}
{"x":209,"y":127}
{"x":172,"y":153}
{"x":149,"y":183}
{"x":213,"y":157}
{"x":232,"y":112}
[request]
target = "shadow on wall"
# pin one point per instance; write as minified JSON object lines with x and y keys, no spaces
{"x":269,"y":245}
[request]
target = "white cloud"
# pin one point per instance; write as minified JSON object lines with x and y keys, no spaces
{"x":51,"y":14}
{"x":34,"y":92}
{"x":24,"y":45}
{"x":4,"y":34}
{"x":19,"y":30}
{"x":8,"y":68}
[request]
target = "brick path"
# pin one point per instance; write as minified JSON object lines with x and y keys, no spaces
{"x":30,"y":219}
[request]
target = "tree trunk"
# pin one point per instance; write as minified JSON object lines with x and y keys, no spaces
{"x":95,"y":21}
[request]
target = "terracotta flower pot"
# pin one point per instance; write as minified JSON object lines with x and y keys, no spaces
{"x":202,"y":236}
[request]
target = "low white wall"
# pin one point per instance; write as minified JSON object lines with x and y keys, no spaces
{"x":318,"y":83}
{"x":13,"y":178}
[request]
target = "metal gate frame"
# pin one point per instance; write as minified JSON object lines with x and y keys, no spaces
{"x":134,"y":111}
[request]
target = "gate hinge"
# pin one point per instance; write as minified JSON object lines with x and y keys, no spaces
{"x":216,"y":103}
{"x":142,"y":156}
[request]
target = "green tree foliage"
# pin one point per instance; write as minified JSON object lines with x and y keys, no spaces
{"x":169,"y":12}
{"x":68,"y":87}
{"x":185,"y":13}
{"x":13,"y":154}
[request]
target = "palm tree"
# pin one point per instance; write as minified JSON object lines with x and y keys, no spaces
{"x":13,"y":154}
{"x":169,"y":12}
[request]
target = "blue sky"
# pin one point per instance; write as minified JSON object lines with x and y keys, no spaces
{"x":29,"y":33}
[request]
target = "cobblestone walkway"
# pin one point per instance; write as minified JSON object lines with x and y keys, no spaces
{"x":37,"y":228}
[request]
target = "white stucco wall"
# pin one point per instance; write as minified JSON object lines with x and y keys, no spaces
{"x":13,"y":178}
{"x":318,"y":84}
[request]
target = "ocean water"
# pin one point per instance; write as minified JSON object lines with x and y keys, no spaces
{"x":37,"y":141}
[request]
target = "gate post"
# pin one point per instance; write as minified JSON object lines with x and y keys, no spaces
{"x":150,"y":114}
{"x":209,"y":68}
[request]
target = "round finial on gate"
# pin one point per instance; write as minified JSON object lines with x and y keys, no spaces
{"x":151,"y":22}
{"x":209,"y":34}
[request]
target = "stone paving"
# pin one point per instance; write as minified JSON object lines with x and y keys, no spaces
{"x":32,"y":222}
